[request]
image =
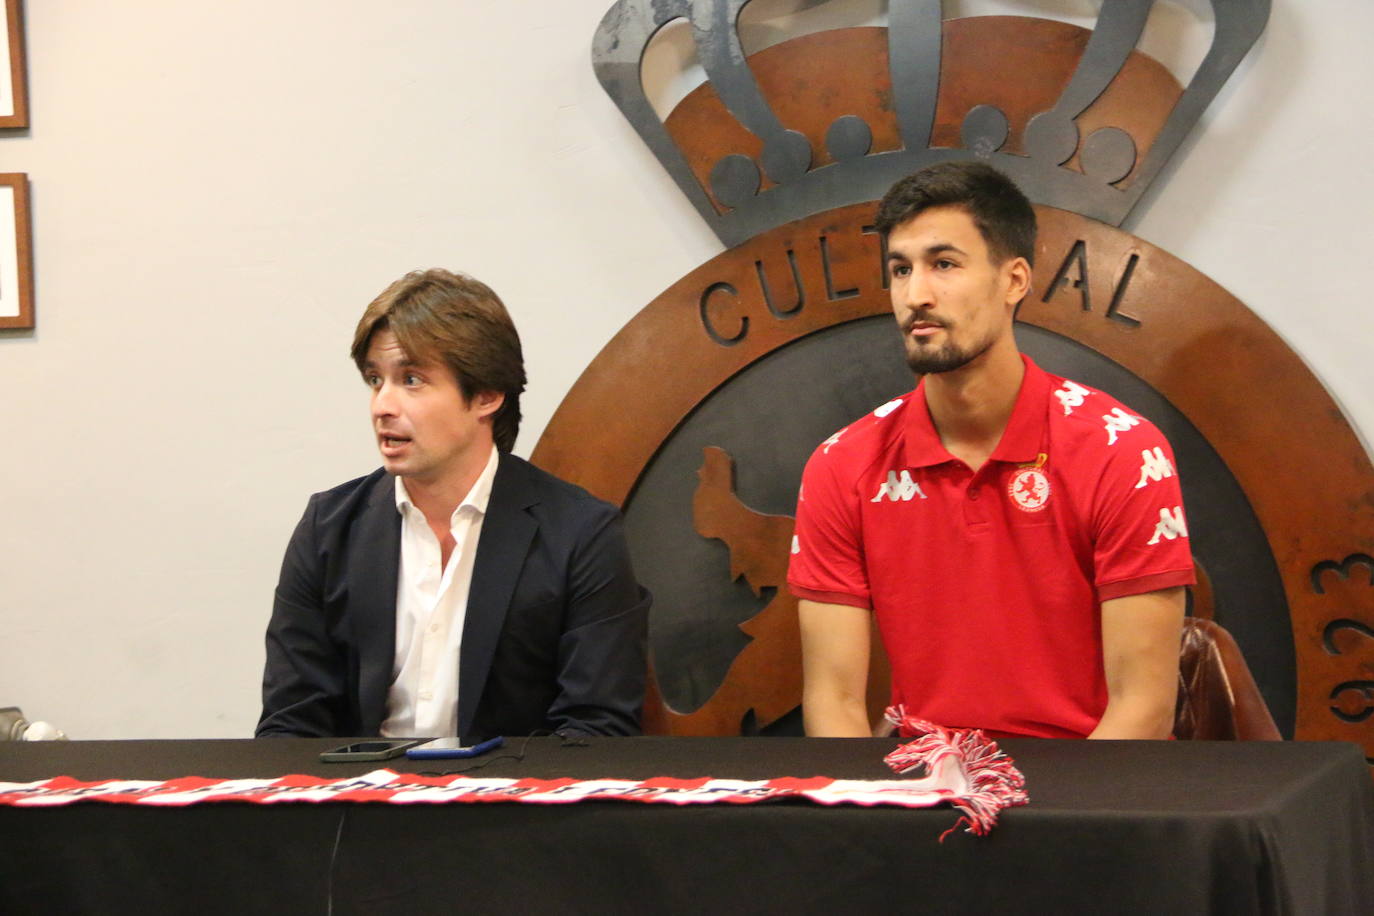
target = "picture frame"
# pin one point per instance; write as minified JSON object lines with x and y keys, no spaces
{"x":14,"y":95}
{"x":16,"y":252}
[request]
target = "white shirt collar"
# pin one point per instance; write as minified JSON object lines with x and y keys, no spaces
{"x":478,"y":495}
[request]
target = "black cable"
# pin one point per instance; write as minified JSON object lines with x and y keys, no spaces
{"x":576,"y":739}
{"x":517,"y":756}
{"x":333,"y":859}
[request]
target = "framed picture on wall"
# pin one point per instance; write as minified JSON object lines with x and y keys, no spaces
{"x":16,"y":253}
{"x":14,"y":97}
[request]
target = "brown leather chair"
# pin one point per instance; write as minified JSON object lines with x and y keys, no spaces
{"x":1217,"y":695}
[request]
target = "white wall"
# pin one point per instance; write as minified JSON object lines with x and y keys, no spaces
{"x":219,"y":189}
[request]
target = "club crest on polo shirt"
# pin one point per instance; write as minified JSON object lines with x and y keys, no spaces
{"x":1029,"y":489}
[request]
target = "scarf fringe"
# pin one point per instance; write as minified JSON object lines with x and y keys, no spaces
{"x":990,"y":778}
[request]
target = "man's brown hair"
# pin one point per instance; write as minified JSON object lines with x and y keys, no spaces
{"x":1003,"y":215}
{"x":436,"y":314}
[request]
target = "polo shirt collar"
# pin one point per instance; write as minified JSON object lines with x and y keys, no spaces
{"x":1020,"y":441}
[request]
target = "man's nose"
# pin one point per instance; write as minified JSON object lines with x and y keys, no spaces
{"x":916,"y":293}
{"x":383,"y":400}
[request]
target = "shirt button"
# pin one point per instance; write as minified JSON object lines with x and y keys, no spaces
{"x":434,"y":628}
{"x":426,"y":695}
{"x":972,"y":492}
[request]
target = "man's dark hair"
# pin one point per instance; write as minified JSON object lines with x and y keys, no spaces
{"x":460,"y":321}
{"x":1001,"y":212}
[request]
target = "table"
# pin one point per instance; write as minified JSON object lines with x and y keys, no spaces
{"x":1125,"y":827}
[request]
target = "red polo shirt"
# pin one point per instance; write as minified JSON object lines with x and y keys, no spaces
{"x":987,"y":585}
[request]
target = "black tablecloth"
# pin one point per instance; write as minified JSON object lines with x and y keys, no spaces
{"x":1134,"y":827}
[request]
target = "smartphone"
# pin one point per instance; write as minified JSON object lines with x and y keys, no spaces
{"x":452,"y":747}
{"x":376,"y":749}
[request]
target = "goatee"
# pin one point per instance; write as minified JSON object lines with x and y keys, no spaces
{"x":944,"y":359}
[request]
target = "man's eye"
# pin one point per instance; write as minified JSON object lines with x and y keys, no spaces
{"x":372,"y":380}
{"x":945,"y":264}
{"x":411,"y":379}
{"x":900,"y":270}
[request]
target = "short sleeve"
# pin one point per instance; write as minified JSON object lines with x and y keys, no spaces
{"x":1140,"y":528}
{"x":827,"y":563}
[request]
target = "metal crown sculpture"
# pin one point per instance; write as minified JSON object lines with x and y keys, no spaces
{"x":1105,"y":186}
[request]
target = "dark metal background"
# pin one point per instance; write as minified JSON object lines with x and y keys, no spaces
{"x":914,"y":48}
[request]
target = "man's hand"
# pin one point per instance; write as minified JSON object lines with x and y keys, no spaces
{"x":835,"y":646}
{"x":1140,"y":635}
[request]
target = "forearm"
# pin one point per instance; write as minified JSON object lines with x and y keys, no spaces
{"x":1139,"y":718}
{"x":1140,"y":635}
{"x":835,"y":648}
{"x":603,"y":652}
{"x":304,"y":675}
{"x":302,"y":687}
{"x":602,"y":670}
{"x":834,"y":716}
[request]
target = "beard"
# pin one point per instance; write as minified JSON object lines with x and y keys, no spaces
{"x":946,"y":357}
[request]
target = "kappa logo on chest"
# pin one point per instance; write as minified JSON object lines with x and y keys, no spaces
{"x":898,"y":487}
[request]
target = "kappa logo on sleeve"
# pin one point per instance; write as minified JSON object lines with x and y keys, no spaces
{"x":1154,"y":466}
{"x":1170,"y":526}
{"x":886,"y":408}
{"x":833,"y":440}
{"x":898,"y":488}
{"x":1118,"y":421}
{"x":1071,"y":395}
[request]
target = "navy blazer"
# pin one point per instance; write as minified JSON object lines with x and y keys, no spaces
{"x":555,"y":632}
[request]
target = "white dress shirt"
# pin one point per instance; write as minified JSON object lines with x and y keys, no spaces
{"x":431,"y":604}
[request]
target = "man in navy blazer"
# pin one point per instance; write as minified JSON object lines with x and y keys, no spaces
{"x":457,"y":590}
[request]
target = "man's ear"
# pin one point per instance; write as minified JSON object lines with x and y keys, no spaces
{"x":488,"y":402}
{"x":1018,"y":280}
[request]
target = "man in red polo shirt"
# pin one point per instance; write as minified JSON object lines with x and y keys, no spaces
{"x":1020,"y":537}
